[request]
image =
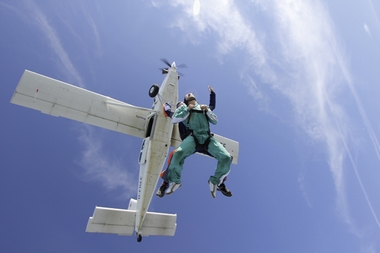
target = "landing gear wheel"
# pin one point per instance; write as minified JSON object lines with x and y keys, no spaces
{"x":139,"y":238}
{"x":153,"y":91}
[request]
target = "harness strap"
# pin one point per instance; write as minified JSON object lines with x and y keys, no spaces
{"x":203,"y":148}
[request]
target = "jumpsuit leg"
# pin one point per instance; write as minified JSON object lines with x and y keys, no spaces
{"x":184,"y":150}
{"x":224,"y":161}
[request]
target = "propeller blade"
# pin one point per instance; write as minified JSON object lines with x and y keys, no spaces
{"x":182,"y":66}
{"x":166,"y":62}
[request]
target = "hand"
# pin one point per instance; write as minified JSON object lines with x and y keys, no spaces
{"x":167,"y":107}
{"x":204,"y":108}
{"x":190,"y":106}
{"x":210,"y":89}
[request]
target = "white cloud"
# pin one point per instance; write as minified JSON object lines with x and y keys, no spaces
{"x":374,"y":14}
{"x":98,"y":166}
{"x":111,"y":173}
{"x":302,"y":184}
{"x":366,"y":29}
{"x":320,"y":69}
{"x":309,"y":68}
{"x":54,"y":41}
{"x":225,"y":20}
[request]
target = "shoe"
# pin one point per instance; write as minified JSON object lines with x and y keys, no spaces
{"x":161,"y":191}
{"x":222,"y":188}
{"x":213,"y":188}
{"x":172,"y":188}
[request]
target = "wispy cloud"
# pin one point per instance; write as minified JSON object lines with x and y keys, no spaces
{"x":111,"y":173}
{"x":94,"y":28}
{"x":374,"y":14}
{"x":301,"y":181}
{"x":84,"y":26}
{"x":309,"y":42}
{"x":225,"y":20}
{"x":97,"y":166}
{"x":366,"y":29}
{"x":10,"y":7}
{"x":309,"y":68}
{"x":54,"y":41}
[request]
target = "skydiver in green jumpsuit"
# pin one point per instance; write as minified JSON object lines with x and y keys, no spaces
{"x":197,"y":117}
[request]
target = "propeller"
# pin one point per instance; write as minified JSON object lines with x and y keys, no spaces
{"x":166,"y":70}
{"x":169,"y":65}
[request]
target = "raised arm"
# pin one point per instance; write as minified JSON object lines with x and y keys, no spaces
{"x":212,"y":104}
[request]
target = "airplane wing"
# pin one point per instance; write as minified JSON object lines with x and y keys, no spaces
{"x":122,"y":222}
{"x":57,"y":98}
{"x":231,"y":145}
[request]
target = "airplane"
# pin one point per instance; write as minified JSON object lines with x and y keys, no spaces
{"x":158,"y":134}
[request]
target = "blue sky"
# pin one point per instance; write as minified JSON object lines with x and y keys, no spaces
{"x":297,"y":86}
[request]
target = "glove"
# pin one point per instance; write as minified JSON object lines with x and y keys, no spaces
{"x":167,"y":107}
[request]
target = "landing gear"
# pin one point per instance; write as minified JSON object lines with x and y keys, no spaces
{"x":153,"y":91}
{"x":139,"y":238}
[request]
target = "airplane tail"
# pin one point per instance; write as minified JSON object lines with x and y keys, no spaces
{"x":122,"y":222}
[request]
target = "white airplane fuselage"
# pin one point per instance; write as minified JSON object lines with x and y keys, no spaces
{"x":155,"y":146}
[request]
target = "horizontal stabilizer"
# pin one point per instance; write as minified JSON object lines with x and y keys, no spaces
{"x":122,"y":222}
